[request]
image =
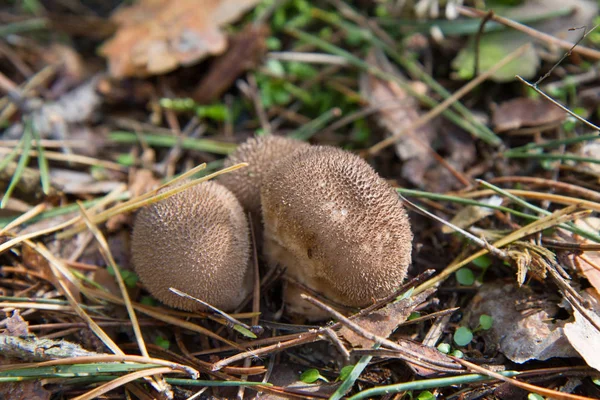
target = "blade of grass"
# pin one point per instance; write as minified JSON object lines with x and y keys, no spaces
{"x":208,"y":145}
{"x":555,"y":218}
{"x":23,"y":160}
{"x":426,"y":384}
{"x":569,"y":226}
{"x":42,"y":161}
{"x":352,"y":377}
{"x":479,"y":130}
{"x":561,"y":157}
{"x":306,"y":131}
{"x":552,"y":143}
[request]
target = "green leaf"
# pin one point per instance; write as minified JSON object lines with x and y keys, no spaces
{"x":426,"y":395}
{"x":148,"y":301}
{"x":413,"y":315}
{"x":492,"y":48}
{"x":482,"y":262}
{"x":534,"y":396}
{"x":162,"y":342}
{"x":244,"y":331}
{"x":311,"y":376}
{"x":345,"y":372}
{"x":444,"y":348}
{"x":463,"y":336}
{"x":485,"y":322}
{"x":457,"y":354}
{"x":465,"y":276}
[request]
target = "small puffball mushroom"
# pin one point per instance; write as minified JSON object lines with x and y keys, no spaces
{"x":196,"y":241}
{"x":336,"y":226}
{"x":260,"y":153}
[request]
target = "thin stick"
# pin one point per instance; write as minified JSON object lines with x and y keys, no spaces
{"x":543,"y":37}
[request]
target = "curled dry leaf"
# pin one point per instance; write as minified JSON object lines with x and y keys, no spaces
{"x":525,"y":112}
{"x":384,"y":321}
{"x":582,"y":334}
{"x":396,"y":111}
{"x":523,"y":327}
{"x":156,"y":36}
{"x":588,"y":263}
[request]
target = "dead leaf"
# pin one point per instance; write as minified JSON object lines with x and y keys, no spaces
{"x":525,"y":112}
{"x":16,"y":325}
{"x":245,"y":51}
{"x":520,"y":333}
{"x":588,"y":261}
{"x":469,"y":215}
{"x":155,"y":36}
{"x":397,"y":110}
{"x":383,"y":321}
{"x":583,"y":336}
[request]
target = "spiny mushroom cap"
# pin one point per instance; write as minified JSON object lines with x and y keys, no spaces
{"x":196,"y":241}
{"x":260,"y":153}
{"x":336,"y":226}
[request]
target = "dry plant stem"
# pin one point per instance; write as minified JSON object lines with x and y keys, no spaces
{"x":115,"y":383}
{"x":256,"y":293}
{"x":160,"y":385}
{"x":566,"y":214}
{"x":567,"y":187}
{"x":71,"y":158}
{"x":555,"y":198}
{"x":37,"y":80}
{"x":448,"y":102}
{"x":161,"y":316}
{"x":315,"y":334}
{"x":543,"y":37}
{"x":252,"y":93}
{"x":403,"y":352}
{"x":497,"y":252}
{"x":525,"y":386}
{"x":60,"y":271}
{"x":149,"y":198}
{"x":556,"y":103}
{"x":21,"y":238}
{"x":21,"y":219}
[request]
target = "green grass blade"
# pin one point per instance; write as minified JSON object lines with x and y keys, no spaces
{"x":20,"y":166}
{"x":427,"y":384}
{"x":42,"y":160}
{"x":354,"y":374}
{"x":208,"y":145}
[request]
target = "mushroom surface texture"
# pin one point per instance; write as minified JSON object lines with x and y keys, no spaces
{"x":260,"y":153}
{"x":196,"y":241}
{"x":336,"y":226}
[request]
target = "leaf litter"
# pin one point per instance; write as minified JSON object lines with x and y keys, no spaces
{"x":182,"y":83}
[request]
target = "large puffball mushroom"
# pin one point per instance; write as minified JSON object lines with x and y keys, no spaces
{"x":336,"y":226}
{"x":260,"y":153}
{"x":196,"y":241}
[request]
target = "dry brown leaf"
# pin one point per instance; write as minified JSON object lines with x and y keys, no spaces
{"x":245,"y":51}
{"x":383,"y":321}
{"x":16,"y":325}
{"x":588,"y":262}
{"x":582,"y":334}
{"x":398,"y":110}
{"x":522,"y":326}
{"x":525,"y":112}
{"x":156,"y":36}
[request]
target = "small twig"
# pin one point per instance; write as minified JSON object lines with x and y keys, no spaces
{"x":556,"y":103}
{"x":523,"y":385}
{"x":478,"y":37}
{"x":337,"y":343}
{"x":544,"y":37}
{"x":314,"y":58}
{"x":482,"y":243}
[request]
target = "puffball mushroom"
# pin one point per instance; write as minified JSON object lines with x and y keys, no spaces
{"x":336,"y":226}
{"x":260,"y":153}
{"x":196,"y":241}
